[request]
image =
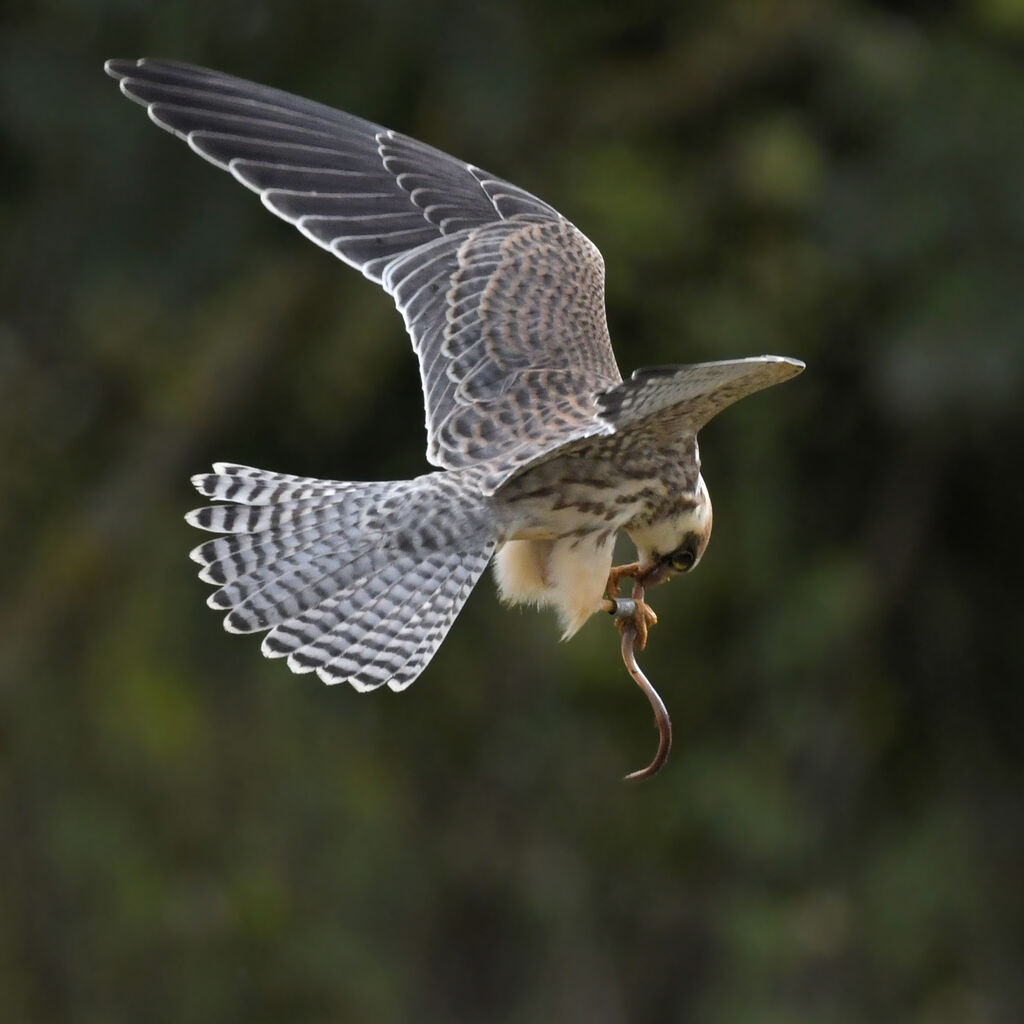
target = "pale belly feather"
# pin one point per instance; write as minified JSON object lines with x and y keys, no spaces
{"x":568,"y":574}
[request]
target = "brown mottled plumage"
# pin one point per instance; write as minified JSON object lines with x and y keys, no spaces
{"x":544,"y":452}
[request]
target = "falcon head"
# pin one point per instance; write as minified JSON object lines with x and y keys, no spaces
{"x":675,"y":541}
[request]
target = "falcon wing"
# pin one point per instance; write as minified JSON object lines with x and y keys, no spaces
{"x":503,"y":298}
{"x":672,"y":401}
{"x":666,"y":405}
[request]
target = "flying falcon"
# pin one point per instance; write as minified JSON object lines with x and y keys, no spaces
{"x":544,"y":453}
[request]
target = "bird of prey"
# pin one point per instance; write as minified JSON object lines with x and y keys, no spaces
{"x":544,"y":452}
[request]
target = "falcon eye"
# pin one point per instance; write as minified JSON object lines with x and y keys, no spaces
{"x":683,"y":560}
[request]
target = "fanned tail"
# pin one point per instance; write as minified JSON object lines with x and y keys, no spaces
{"x":354,"y":581}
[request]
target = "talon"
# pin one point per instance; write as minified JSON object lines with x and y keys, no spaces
{"x":645,"y":618}
{"x":618,"y":573}
{"x":632,"y":612}
{"x":641,"y":614}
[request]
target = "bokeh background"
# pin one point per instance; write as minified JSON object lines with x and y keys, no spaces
{"x":188,"y":833}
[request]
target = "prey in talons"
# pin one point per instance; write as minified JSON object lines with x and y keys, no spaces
{"x":632,"y":609}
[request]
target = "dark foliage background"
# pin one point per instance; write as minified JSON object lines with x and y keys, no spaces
{"x":189,"y":833}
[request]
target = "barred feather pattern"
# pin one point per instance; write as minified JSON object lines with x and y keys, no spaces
{"x":503,"y":297}
{"x":358,"y":582}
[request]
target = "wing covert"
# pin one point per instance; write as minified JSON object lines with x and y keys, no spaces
{"x":508,"y":322}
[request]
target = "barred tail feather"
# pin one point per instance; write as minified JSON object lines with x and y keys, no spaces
{"x":387,"y":628}
{"x":432,"y":620}
{"x":355,"y":581}
{"x":247,"y":485}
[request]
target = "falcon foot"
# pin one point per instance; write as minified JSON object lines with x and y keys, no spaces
{"x":636,"y":607}
{"x":630,"y":571}
{"x":633,"y":617}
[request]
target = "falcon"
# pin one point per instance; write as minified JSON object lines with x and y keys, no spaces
{"x":543,"y":452}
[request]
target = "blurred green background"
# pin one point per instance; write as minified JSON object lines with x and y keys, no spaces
{"x":189,"y":833}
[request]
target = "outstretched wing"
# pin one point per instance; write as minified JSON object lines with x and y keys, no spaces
{"x":667,"y":405}
{"x":669,"y":401}
{"x":502,"y":296}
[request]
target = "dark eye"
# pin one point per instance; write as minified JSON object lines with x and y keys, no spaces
{"x":683,"y":560}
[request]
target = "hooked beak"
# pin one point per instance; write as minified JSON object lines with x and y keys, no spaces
{"x":658,"y":573}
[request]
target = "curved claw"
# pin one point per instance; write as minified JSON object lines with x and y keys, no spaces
{"x":617,"y":574}
{"x":625,"y":612}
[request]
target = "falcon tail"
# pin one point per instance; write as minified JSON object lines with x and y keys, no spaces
{"x":354,"y":581}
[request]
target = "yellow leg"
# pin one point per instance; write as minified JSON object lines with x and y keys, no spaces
{"x":617,"y":575}
{"x":641,"y":614}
